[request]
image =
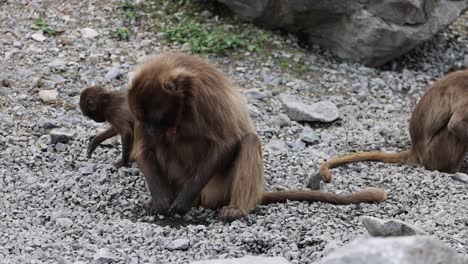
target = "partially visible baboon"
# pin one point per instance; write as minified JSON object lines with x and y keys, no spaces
{"x":196,"y":144}
{"x":438,"y":130}
{"x":111,"y":106}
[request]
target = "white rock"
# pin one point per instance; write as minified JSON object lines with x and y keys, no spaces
{"x":245,"y":260}
{"x":104,"y":255}
{"x":186,"y":47}
{"x":48,"y":95}
{"x":113,"y":73}
{"x":89,"y":33}
{"x":324,"y":111}
{"x":178,"y":244}
{"x":38,"y":36}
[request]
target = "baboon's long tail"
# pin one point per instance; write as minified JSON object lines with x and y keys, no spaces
{"x":399,"y":157}
{"x":367,"y":195}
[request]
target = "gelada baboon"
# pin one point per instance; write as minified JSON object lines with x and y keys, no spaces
{"x":112,"y":107}
{"x":438,"y":130}
{"x":196,"y":144}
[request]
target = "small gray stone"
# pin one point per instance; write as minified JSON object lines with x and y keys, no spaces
{"x":379,"y":82}
{"x":64,"y":222}
{"x":407,"y":75}
{"x":48,"y":95}
{"x":57,"y":64}
{"x":255,"y":94}
{"x":313,"y":182}
{"x":280,"y":120}
{"x":113,"y":73}
{"x":324,"y":111}
{"x":86,"y":168}
{"x":461,"y":177}
{"x":270,"y":79}
{"x":145,"y":42}
{"x":392,"y":227}
{"x":245,"y":260}
{"x":179,"y":244}
{"x":38,"y":36}
{"x":310,"y":136}
{"x":253,"y":110}
{"x":43,"y":142}
{"x":276,"y":145}
{"x":57,"y":136}
{"x":186,"y":47}
{"x":401,"y":250}
{"x":104,"y":255}
{"x":206,"y":14}
{"x":60,"y":147}
{"x":465,"y":61}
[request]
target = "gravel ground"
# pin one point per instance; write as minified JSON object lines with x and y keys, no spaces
{"x":60,"y":207}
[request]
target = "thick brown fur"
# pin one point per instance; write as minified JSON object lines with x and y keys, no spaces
{"x":109,"y":106}
{"x":196,"y":144}
{"x":438,"y":130}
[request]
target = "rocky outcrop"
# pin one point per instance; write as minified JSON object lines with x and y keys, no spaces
{"x":401,"y":250}
{"x":370,"y":32}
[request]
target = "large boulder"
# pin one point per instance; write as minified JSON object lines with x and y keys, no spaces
{"x":245,"y":260}
{"x":401,"y":250}
{"x":370,"y":32}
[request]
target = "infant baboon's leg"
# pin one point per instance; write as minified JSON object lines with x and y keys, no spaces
{"x":99,"y":138}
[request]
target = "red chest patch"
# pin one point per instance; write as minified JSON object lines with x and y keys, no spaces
{"x":170,"y":132}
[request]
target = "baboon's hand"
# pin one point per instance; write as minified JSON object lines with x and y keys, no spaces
{"x":91,"y":147}
{"x":121,"y":163}
{"x":160,"y":206}
{"x":181,"y":205}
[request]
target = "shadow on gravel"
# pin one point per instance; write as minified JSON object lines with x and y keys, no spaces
{"x":140,"y":214}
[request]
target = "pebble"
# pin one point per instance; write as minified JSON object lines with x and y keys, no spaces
{"x":255,"y":94}
{"x":38,"y":36}
{"x":310,"y":136}
{"x":48,"y":95}
{"x":179,"y":244}
{"x":206,"y":14}
{"x":64,"y":222}
{"x":113,"y":73}
{"x":186,"y":47}
{"x":104,"y":255}
{"x":89,"y":33}
{"x":57,"y":135}
{"x":281,"y":120}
